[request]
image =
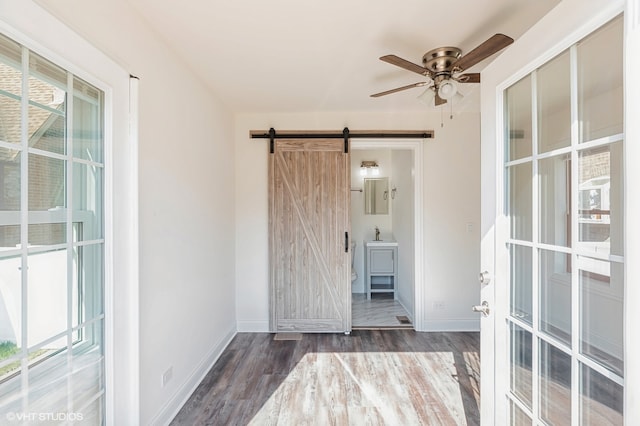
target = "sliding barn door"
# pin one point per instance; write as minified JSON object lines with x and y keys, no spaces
{"x":310,"y":288}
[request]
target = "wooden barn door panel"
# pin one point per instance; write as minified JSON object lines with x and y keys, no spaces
{"x":308,"y":252}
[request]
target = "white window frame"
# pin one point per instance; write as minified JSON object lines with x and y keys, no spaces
{"x":34,"y":28}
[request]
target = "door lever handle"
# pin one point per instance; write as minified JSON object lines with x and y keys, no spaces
{"x":484,"y":278}
{"x":484,"y":308}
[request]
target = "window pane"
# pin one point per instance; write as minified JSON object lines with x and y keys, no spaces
{"x":10,"y":119}
{"x":87,"y":202}
{"x":47,"y":190}
{"x":600,"y":201}
{"x":88,"y":279}
{"x":601,"y":307}
{"x":48,"y":385}
{"x":555,"y":385}
{"x":11,"y":401}
{"x":10,"y":176}
{"x":519,"y":119}
{"x":9,"y":237}
{"x":47,"y":296}
{"x":94,"y":412}
{"x":518,"y":417}
{"x":521,"y":290}
{"x":87,"y":122}
{"x":10,"y":90}
{"x":87,"y":377}
{"x":46,"y":130}
{"x":47,"y":82}
{"x":520,"y":210}
{"x":554,"y":104}
{"x":10,"y":60}
{"x":43,"y":234}
{"x":10,"y":199}
{"x":600,"y":90}
{"x":555,"y":294}
{"x":10,"y":310}
{"x":521,"y":383}
{"x":11,"y":81}
{"x":601,"y":400}
{"x":555,"y":179}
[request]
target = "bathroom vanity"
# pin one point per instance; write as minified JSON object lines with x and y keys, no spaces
{"x":381,"y":267}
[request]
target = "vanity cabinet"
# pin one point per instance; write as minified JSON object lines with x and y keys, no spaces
{"x":381,"y":267}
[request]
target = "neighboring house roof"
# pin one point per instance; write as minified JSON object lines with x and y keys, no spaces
{"x":40,"y":120}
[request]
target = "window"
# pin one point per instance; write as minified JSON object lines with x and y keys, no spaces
{"x":51,"y":239}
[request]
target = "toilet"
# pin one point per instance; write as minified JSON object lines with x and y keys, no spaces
{"x":354,"y":274}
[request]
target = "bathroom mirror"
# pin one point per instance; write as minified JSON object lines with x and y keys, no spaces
{"x":376,"y":195}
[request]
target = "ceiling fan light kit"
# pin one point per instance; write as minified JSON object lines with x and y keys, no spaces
{"x":443,"y":68}
{"x":447,"y":89}
{"x":428,"y":97}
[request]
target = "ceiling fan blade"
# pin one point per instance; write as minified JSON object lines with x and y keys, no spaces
{"x":471,"y":77}
{"x":439,"y":100}
{"x":494,"y":44}
{"x":398,"y":89}
{"x":403,"y":63}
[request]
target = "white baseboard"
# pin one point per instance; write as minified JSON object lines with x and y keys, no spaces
{"x":409,"y":312}
{"x":173,"y":406}
{"x":452,"y":325}
{"x":253,"y":326}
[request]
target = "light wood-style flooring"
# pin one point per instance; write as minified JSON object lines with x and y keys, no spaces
{"x":372,"y":377}
{"x":380,"y":311}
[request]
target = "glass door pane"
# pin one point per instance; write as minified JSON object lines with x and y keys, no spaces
{"x":600,"y":97}
{"x":555,"y":385}
{"x":600,"y":223}
{"x":555,"y":295}
{"x":554,"y":106}
{"x":521,"y":285}
{"x":601,"y":308}
{"x":518,"y":110}
{"x":519,"y":181}
{"x":521,"y":366}
{"x":554,"y":177}
{"x":601,"y":400}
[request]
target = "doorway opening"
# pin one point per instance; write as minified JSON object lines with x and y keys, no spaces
{"x":386,"y":279}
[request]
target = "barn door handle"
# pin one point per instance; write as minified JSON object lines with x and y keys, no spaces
{"x":346,"y":242}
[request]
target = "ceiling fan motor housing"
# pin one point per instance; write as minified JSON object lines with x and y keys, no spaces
{"x":440,"y":60}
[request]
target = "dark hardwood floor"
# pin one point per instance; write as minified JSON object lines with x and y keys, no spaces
{"x":372,"y":377}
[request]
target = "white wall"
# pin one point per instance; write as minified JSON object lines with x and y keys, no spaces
{"x":452,"y":200}
{"x":186,"y":175}
{"x":451,"y":193}
{"x":402,"y":205}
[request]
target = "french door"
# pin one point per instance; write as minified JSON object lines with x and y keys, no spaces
{"x":562,"y":247}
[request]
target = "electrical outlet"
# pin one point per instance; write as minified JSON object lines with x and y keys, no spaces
{"x":438,"y":306}
{"x":166,"y":376}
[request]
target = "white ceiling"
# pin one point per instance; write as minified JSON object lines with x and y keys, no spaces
{"x":305,"y":55}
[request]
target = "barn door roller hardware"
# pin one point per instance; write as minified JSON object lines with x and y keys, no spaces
{"x":346,"y":134}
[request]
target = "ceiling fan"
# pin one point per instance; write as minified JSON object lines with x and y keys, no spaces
{"x":443,"y":68}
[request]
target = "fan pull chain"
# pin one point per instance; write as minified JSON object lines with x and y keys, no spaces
{"x":441,"y":117}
